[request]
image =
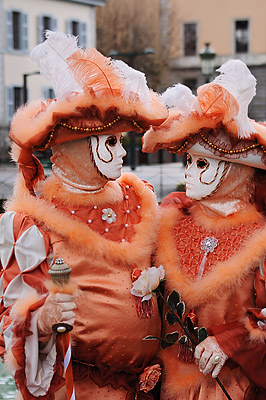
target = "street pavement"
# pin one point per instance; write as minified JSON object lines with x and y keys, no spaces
{"x":163,"y":177}
{"x":7,"y":179}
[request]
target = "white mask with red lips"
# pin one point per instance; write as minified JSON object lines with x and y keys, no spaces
{"x":108,"y":153}
{"x":204,"y":175}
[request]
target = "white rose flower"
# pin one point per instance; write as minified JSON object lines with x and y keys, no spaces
{"x":108,"y":215}
{"x":148,"y":281}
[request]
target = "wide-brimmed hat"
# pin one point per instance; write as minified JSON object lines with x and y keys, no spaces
{"x":95,"y":95}
{"x":214,"y":123}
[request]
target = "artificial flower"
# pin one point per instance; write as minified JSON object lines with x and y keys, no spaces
{"x":149,"y":378}
{"x":147,"y":282}
{"x":108,"y":215}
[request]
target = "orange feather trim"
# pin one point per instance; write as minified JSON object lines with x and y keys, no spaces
{"x":174,"y":130}
{"x":226,"y":275}
{"x":10,"y":362}
{"x":21,"y":307}
{"x":69,"y":288}
{"x":137,"y":251}
{"x":31,"y":125}
{"x":92,"y":70}
{"x":255,"y":334}
{"x":217,"y":223}
{"x":181,"y":377}
{"x":214,"y":100}
{"x":54,"y":187}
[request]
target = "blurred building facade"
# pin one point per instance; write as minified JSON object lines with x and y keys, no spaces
{"x":177,"y":30}
{"x":22,"y":25}
{"x":235,"y":30}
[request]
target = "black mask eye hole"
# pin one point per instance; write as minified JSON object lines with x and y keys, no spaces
{"x":189,"y":160}
{"x":111,"y":141}
{"x":202,"y":163}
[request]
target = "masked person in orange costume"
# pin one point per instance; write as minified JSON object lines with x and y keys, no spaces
{"x":212,"y":239}
{"x":101,"y":226}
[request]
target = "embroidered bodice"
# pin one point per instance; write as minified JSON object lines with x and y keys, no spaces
{"x":189,"y":237}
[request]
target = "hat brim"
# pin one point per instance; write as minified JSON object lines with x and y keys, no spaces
{"x":178,"y":134}
{"x":32,"y":124}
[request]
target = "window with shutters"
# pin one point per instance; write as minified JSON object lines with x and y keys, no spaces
{"x":242,"y":36}
{"x":45,"y":22}
{"x":79,"y":29}
{"x":16,"y":30}
{"x":14,"y":100}
{"x":190,"y":39}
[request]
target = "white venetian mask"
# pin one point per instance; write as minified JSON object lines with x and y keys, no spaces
{"x":204,"y":175}
{"x":108,"y":153}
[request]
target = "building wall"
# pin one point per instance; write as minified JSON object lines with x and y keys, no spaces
{"x":215,"y":22}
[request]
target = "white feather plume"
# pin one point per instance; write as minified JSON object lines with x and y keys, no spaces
{"x":181,"y":97}
{"x":238,"y":80}
{"x":135,"y":82}
{"x":51,"y":56}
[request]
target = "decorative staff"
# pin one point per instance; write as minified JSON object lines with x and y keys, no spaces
{"x":60,"y":273}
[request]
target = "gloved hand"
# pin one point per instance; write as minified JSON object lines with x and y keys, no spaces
{"x":58,"y":307}
{"x":209,"y":356}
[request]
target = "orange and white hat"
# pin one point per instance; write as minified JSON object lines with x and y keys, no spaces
{"x":95,"y":95}
{"x":214,"y":123}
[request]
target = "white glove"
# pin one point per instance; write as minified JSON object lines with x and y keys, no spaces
{"x":58,"y":307}
{"x":209,"y":356}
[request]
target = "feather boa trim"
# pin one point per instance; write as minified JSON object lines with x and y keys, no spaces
{"x":226,"y":275}
{"x":255,"y":334}
{"x":21,"y":307}
{"x":181,"y":376}
{"x":137,"y":251}
{"x":32,"y":123}
{"x":54,"y":187}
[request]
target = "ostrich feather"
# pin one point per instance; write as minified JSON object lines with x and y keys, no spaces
{"x":181,"y":97}
{"x":51,"y":56}
{"x":238,"y":80}
{"x":215,"y":100}
{"x":135,"y":82}
{"x":92,"y":70}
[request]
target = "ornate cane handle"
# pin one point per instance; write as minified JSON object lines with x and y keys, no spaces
{"x":60,"y":273}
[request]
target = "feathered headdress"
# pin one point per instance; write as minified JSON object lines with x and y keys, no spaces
{"x":95,"y":95}
{"x":216,"y":120}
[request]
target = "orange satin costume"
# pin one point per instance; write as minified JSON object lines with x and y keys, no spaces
{"x":223,"y":300}
{"x":108,"y":352}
